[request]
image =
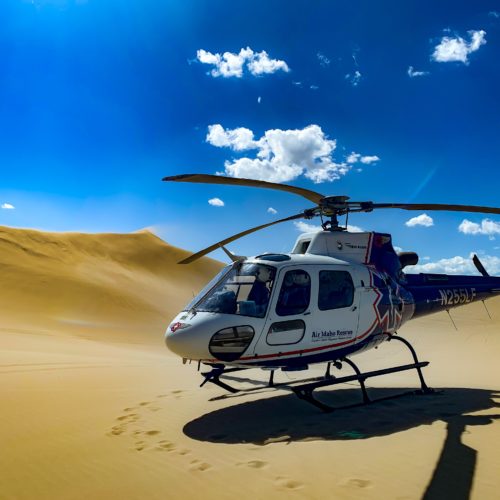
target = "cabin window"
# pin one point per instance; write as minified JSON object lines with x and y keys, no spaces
{"x":336,"y":290}
{"x":295,"y":293}
{"x":286,"y":332}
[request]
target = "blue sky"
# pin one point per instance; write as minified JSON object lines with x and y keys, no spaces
{"x":100,"y":100}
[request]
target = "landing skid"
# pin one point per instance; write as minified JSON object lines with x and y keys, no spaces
{"x":304,"y":389}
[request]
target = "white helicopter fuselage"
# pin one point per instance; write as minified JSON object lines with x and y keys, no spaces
{"x":318,"y":307}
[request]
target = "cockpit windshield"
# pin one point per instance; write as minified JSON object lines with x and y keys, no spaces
{"x":242,"y":289}
{"x":207,"y":288}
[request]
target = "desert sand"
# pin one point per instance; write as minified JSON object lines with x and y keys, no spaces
{"x":94,"y":406}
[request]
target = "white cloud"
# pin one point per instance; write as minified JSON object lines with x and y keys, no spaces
{"x":369,"y":159}
{"x":226,"y":65}
{"x":216,"y":202}
{"x":412,"y":72}
{"x":487,"y":227}
{"x":8,"y":206}
{"x":452,"y":49}
{"x":304,"y":227}
{"x":260,"y":64}
{"x":353,"y":157}
{"x":259,"y":99}
{"x":313,"y":87}
{"x":457,"y":265}
{"x":298,"y":84}
{"x":272,"y":210}
{"x":356,"y":157}
{"x":238,"y":139}
{"x":494,"y":14}
{"x":353,"y":78}
{"x":230,"y":64}
{"x":282,"y":155}
{"x":323,"y":60}
{"x":420,"y":220}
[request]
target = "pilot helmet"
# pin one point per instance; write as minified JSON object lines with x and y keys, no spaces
{"x":263,"y":273}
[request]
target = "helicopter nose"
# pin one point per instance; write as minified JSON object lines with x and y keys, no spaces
{"x":178,"y":343}
{"x":188,"y":343}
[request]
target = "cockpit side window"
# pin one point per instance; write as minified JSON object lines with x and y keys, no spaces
{"x":336,"y":290}
{"x":295,"y":293}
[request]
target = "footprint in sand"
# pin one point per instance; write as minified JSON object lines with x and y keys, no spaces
{"x":132,"y":417}
{"x":254,"y":464}
{"x":166,"y":446}
{"x":287,"y":483}
{"x":355,"y":482}
{"x":152,"y":433}
{"x":201,"y":466}
{"x":177,"y":394}
{"x":117,"y":430}
{"x":145,"y":403}
{"x":140,"y":445}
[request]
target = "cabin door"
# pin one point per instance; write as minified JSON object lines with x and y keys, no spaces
{"x":289,"y":315}
{"x":336,"y":314}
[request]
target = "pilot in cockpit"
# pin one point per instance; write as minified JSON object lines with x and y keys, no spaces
{"x":260,"y":292}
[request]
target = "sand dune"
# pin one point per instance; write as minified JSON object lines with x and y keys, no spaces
{"x":94,"y":406}
{"x":115,"y":283}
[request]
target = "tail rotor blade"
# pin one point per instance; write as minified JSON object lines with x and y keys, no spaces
{"x":479,"y":265}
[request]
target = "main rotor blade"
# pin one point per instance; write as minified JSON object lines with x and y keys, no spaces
{"x":219,"y":244}
{"x":220,"y":179}
{"x":438,"y":206}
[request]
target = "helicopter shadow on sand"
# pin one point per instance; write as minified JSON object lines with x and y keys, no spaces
{"x":286,"y":419}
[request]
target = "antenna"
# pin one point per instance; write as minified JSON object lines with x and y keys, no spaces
{"x":488,"y":312}
{"x":448,"y":311}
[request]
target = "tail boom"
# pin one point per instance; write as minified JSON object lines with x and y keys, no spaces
{"x":440,"y":292}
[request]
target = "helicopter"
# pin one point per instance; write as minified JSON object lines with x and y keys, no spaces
{"x":336,"y":294}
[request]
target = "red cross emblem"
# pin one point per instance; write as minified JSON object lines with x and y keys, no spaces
{"x":175,"y":326}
